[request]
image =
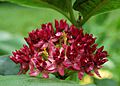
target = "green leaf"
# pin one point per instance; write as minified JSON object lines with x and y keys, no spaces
{"x":89,"y":8}
{"x":33,"y":81}
{"x":9,"y":43}
{"x":62,"y":6}
{"x":105,"y":82}
{"x":43,"y":3}
{"x":8,"y":67}
{"x":8,"y":46}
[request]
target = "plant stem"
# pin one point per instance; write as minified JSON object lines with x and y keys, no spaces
{"x":71,"y":14}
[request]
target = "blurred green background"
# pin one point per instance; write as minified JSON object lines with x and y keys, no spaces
{"x":16,"y":21}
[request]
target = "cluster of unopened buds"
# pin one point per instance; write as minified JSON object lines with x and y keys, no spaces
{"x":61,"y":50}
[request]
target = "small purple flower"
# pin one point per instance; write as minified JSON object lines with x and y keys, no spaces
{"x":52,"y":50}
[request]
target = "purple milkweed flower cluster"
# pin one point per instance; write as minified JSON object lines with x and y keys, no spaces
{"x":52,"y":50}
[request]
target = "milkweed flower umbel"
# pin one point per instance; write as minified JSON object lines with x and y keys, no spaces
{"x":55,"y":50}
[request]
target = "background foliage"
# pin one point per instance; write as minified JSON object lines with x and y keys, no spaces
{"x":16,"y":21}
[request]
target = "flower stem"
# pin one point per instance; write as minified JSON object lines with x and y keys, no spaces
{"x":71,"y":14}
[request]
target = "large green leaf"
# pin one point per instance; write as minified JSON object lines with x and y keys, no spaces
{"x":7,"y":67}
{"x":33,"y":81}
{"x":89,"y":8}
{"x":43,"y":3}
{"x":9,"y":43}
{"x":63,"y":6}
{"x":105,"y":82}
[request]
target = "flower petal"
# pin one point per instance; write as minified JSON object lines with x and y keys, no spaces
{"x":67,"y":63}
{"x":96,"y":72}
{"x":45,"y":75}
{"x":80,"y":75}
{"x":34,"y":73}
{"x":61,"y":70}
